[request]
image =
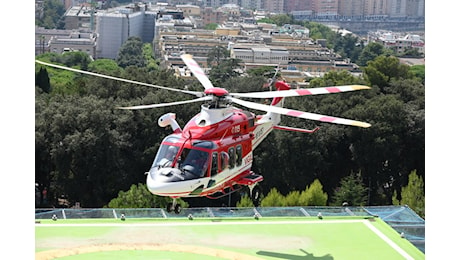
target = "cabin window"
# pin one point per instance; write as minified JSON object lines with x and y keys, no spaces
{"x":239,"y":155}
{"x":223,"y":161}
{"x":214,"y":164}
{"x":231,"y":157}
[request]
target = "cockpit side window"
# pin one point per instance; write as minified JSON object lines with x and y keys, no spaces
{"x":194,"y":161}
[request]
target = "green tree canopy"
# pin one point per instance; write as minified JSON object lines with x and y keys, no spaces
{"x":351,"y":190}
{"x":273,"y":199}
{"x":131,"y":53}
{"x":314,"y":195}
{"x":138,"y":196}
{"x":370,"y":52}
{"x":383,"y":69}
{"x":412,"y":195}
{"x":53,"y":10}
{"x":217,"y":55}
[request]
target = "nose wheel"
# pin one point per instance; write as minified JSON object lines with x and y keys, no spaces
{"x":173,"y":206}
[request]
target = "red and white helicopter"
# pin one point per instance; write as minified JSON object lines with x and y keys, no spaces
{"x":213,"y":154}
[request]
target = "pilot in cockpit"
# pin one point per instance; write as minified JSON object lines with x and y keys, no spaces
{"x":168,"y":159}
{"x":172,"y":151}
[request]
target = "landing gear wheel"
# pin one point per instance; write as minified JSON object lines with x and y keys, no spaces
{"x":177,"y":209}
{"x":255,"y":195}
{"x":169,"y":207}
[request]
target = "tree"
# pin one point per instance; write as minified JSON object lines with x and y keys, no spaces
{"x":419,"y":72}
{"x":412,"y":195}
{"x":282,"y":19}
{"x":131,"y":53}
{"x":151,"y":63}
{"x":293,"y":199}
{"x":211,"y":26}
{"x":53,"y":10}
{"x":245,"y":201}
{"x":273,"y":199}
{"x":138,"y":196}
{"x":313,"y":195}
{"x":42,"y":80}
{"x":383,"y":69}
{"x":348,"y":46}
{"x":216,"y":55}
{"x":370,"y":52}
{"x":224,"y":71}
{"x":351,"y":190}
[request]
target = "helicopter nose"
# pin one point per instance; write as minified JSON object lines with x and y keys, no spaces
{"x":153,"y":186}
{"x":158,"y":184}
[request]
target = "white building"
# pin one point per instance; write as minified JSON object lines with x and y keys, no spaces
{"x":76,"y":41}
{"x":397,"y":41}
{"x":259,"y":54}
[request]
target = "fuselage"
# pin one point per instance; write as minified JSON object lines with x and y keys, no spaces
{"x":208,"y":155}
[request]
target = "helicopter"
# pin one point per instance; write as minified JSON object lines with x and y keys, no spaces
{"x":212,"y":155}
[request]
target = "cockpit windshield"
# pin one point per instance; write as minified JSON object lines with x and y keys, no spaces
{"x":166,"y":155}
{"x":192,"y":161}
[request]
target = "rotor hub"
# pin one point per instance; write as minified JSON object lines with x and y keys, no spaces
{"x":218,"y":92}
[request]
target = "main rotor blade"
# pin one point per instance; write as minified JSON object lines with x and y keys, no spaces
{"x":195,"y":93}
{"x":196,"y":70}
{"x":167,"y":104}
{"x":300,"y":114}
{"x":300,"y":92}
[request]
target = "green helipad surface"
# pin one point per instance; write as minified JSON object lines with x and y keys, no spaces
{"x":214,"y":238}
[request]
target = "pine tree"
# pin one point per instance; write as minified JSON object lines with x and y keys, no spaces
{"x":351,"y":190}
{"x":413,"y":195}
{"x":314,"y":195}
{"x":273,"y":199}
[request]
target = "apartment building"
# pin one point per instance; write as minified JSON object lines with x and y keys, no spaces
{"x":351,"y":8}
{"x":328,"y":8}
{"x":273,"y":6}
{"x":302,"y":9}
{"x":115,"y":26}
{"x":397,"y":41}
{"x":381,"y":8}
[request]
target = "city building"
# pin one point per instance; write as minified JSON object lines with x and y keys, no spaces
{"x":116,"y":25}
{"x":174,"y":30}
{"x":80,"y":17}
{"x":75,"y":41}
{"x":397,"y":42}
{"x":59,"y":41}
